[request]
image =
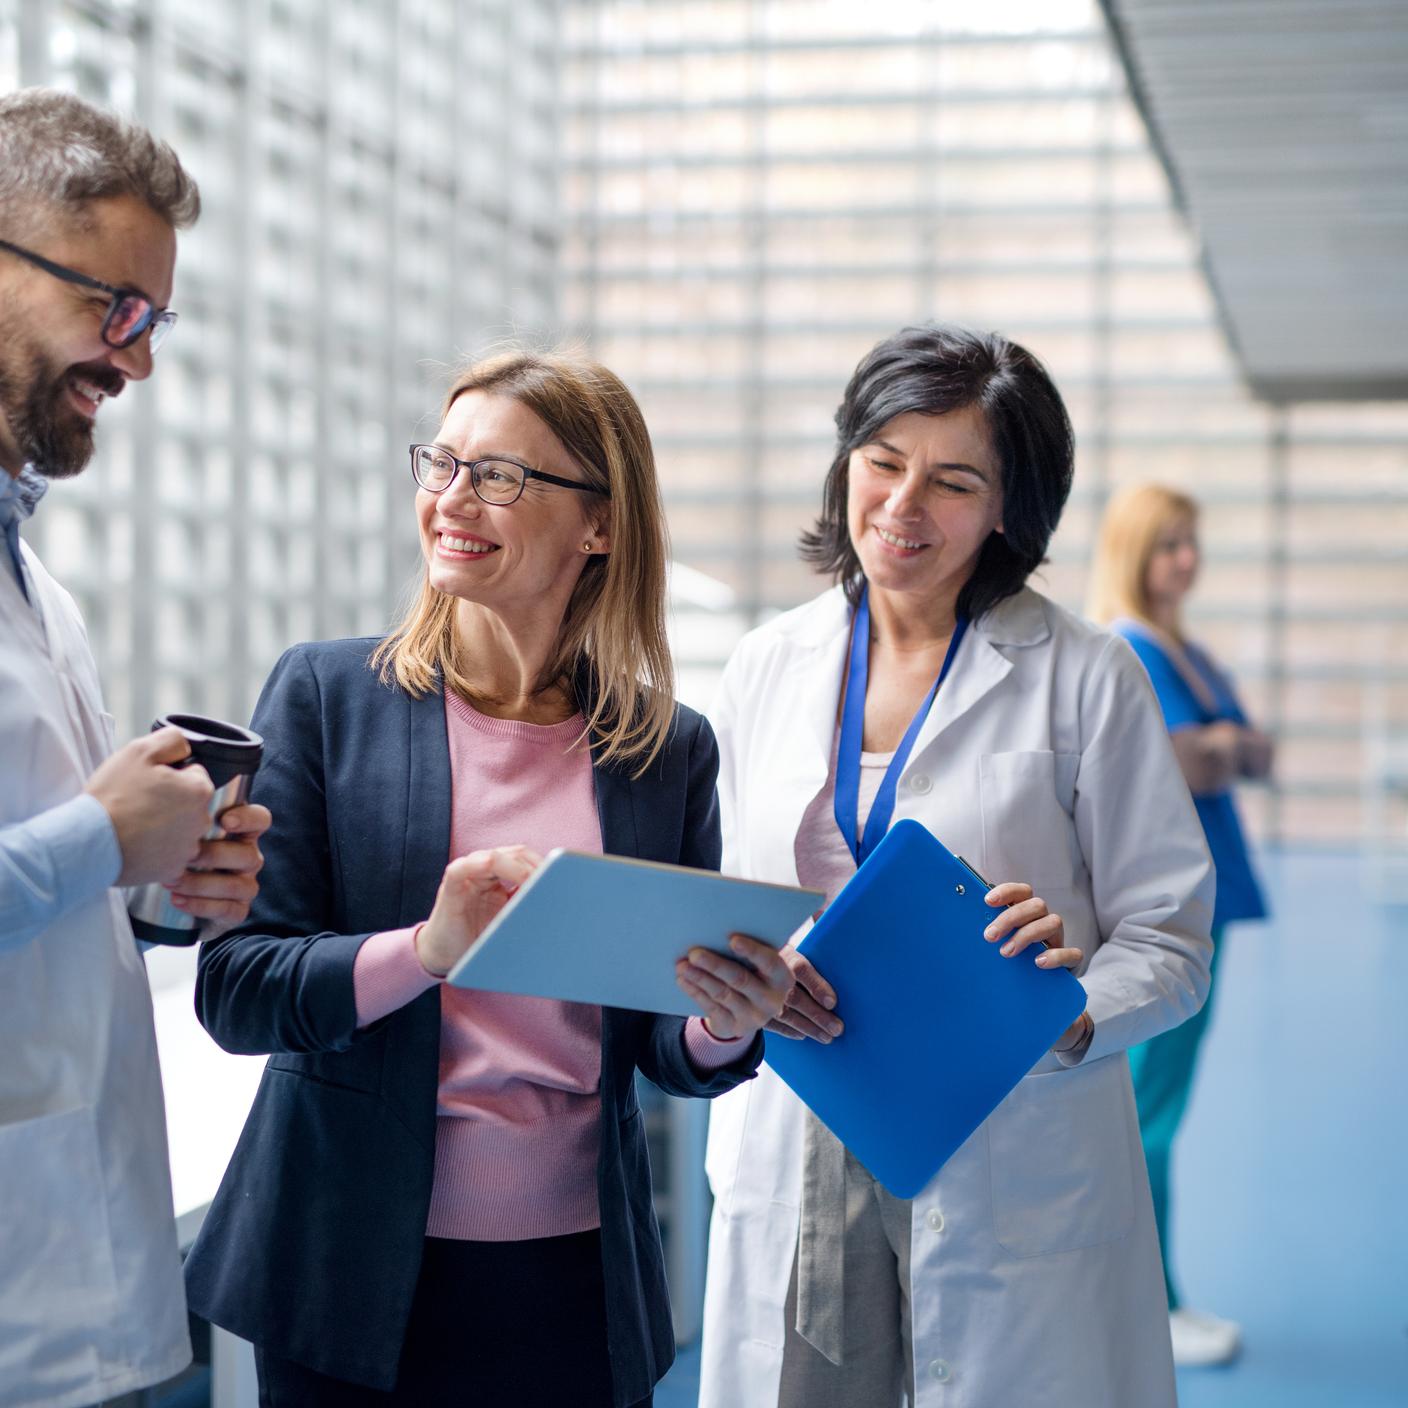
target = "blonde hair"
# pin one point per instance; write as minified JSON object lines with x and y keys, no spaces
{"x":1129,"y":530}
{"x":612,"y":653}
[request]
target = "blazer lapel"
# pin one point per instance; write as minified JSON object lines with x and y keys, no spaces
{"x":615,"y":808}
{"x":617,"y":802}
{"x":425,"y":805}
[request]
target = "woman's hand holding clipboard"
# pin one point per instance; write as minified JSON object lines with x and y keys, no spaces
{"x":809,"y":1011}
{"x":939,"y":1026}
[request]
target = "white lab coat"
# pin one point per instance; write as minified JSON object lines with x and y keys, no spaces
{"x":1035,"y":1262}
{"x":91,"y":1302}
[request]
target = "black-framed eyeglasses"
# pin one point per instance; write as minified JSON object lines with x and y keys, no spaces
{"x":496,"y":481}
{"x":130,"y":313}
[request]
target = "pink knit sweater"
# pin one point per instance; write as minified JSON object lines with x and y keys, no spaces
{"x":519,"y":1104}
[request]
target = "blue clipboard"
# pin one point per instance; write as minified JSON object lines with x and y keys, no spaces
{"x":939,"y":1025}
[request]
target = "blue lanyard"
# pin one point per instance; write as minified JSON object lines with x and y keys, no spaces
{"x":847,"y":803}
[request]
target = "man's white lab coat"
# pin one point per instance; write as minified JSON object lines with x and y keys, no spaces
{"x":91,"y":1303}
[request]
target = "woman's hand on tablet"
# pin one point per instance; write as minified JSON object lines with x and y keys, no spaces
{"x":738,"y":997}
{"x":472,"y":891}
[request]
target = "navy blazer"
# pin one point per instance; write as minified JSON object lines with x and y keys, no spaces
{"x":312,"y":1246}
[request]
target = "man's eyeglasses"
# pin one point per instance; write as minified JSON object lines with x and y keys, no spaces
{"x":130,"y":313}
{"x":495,"y":481}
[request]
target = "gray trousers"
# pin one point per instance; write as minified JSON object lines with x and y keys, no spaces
{"x":877,"y":1368}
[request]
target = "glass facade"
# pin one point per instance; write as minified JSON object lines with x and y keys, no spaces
{"x":731,"y":200}
{"x":380,"y":198}
{"x":758,"y":190}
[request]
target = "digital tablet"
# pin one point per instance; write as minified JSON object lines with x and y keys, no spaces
{"x":607,"y":930}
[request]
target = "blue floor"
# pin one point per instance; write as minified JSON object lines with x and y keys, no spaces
{"x":1292,"y":1168}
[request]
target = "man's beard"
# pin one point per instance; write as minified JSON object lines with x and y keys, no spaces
{"x":49,"y":433}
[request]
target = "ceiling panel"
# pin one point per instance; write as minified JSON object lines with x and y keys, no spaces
{"x":1284,"y":126}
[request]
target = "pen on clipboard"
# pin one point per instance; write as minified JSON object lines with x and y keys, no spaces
{"x":972,"y":870}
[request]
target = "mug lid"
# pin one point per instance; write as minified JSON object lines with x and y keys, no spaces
{"x":215,"y":741}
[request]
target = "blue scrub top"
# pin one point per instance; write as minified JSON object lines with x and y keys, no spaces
{"x":1239,"y":895}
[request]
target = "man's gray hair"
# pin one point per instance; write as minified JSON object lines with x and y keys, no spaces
{"x":58,"y":153}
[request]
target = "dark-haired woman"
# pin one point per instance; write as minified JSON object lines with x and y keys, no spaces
{"x":1028,"y":1271}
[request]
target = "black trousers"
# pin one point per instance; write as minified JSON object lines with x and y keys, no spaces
{"x":493,"y":1325}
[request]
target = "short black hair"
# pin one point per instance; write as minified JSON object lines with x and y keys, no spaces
{"x":935,"y":368}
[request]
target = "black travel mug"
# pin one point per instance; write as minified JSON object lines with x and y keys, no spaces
{"x":230,"y":754}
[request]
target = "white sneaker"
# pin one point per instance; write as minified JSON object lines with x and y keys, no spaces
{"x":1200,"y":1339}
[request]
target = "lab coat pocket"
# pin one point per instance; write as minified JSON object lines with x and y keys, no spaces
{"x":1060,"y":1162}
{"x":59,"y":1281}
{"x":1028,"y":800}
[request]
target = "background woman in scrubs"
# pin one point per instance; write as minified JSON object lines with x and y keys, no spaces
{"x":1146,"y":564}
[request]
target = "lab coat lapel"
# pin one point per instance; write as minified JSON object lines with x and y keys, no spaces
{"x":60,"y":665}
{"x":791,"y":753}
{"x":30,"y":687}
{"x":978,"y":668}
{"x":819,"y":680}
{"x":28,"y":617}
{"x":821,"y":697}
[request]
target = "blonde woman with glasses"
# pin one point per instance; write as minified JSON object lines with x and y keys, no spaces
{"x":1146,"y":564}
{"x":444,"y":1196}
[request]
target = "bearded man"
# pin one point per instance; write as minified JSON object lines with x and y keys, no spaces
{"x":91,"y":1304}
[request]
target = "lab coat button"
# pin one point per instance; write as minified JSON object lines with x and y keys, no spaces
{"x":920,"y":783}
{"x":940,"y":1371}
{"x":936,"y":1219}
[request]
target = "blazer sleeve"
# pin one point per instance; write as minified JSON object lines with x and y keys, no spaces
{"x":663,"y":1059}
{"x":282,"y":980}
{"x":1152,"y":879}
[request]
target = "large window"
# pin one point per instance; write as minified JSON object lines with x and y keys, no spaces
{"x":380,"y":185}
{"x":734,"y":199}
{"x":758,"y":190}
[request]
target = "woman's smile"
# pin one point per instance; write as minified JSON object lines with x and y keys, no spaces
{"x":900,"y":546}
{"x":458,"y":546}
